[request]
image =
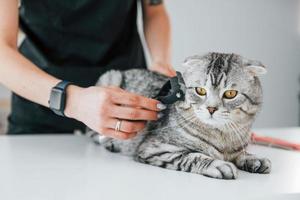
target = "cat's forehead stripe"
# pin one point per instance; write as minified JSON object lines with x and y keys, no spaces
{"x":218,"y":65}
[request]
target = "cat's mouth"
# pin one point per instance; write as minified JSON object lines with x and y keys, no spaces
{"x":211,"y":120}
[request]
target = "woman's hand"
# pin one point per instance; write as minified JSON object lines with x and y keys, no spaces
{"x":163,"y":68}
{"x":100,"y":108}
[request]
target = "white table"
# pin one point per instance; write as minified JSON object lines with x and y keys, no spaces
{"x":68,"y":167}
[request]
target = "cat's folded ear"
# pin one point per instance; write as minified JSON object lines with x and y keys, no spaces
{"x":254,"y":67}
{"x":191,"y":61}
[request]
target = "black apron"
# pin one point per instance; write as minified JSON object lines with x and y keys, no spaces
{"x":77,"y":41}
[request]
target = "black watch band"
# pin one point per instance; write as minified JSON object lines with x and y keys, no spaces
{"x":57,"y":100}
{"x":155,"y":2}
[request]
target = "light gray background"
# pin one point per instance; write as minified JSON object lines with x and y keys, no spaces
{"x":266,"y":30}
{"x":4,"y":93}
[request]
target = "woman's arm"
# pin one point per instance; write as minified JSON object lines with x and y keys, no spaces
{"x":16,"y":72}
{"x":97,"y":107}
{"x":158,"y":37}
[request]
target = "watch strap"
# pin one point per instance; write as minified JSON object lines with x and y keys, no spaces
{"x":61,"y":86}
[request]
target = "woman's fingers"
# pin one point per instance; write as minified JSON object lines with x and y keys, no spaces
{"x":131,"y":113}
{"x":133,"y":100}
{"x":167,"y":72}
{"x":127,"y":126}
{"x":172,"y":72}
{"x":163,"y":68}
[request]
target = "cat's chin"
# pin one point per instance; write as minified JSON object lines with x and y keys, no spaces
{"x":214,"y":123}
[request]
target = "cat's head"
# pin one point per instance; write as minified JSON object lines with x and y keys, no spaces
{"x":222,"y":88}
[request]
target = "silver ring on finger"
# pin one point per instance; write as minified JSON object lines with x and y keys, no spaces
{"x":118,"y":125}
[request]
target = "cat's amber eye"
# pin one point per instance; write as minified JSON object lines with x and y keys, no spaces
{"x":230,"y":94}
{"x":201,"y":91}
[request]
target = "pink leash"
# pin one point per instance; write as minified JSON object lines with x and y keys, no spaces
{"x":274,"y":142}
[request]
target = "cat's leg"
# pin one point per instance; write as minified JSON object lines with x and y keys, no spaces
{"x":253,"y":164}
{"x":183,"y":160}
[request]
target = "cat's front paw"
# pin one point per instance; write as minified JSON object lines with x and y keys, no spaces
{"x":112,"y":147}
{"x":221,"y":169}
{"x":253,"y":164}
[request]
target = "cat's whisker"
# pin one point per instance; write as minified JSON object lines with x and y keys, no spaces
{"x":244,"y":129}
{"x":179,"y":123}
{"x":227,"y":112}
{"x":230,"y":132}
{"x":242,"y":145}
{"x":171,"y":119}
{"x":235,"y":138}
{"x":239,"y":132}
{"x":238,"y":126}
{"x":183,"y":124}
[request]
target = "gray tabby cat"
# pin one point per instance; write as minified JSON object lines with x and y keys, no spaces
{"x":208,"y":132}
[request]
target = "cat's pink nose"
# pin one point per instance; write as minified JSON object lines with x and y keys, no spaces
{"x":211,"y":110}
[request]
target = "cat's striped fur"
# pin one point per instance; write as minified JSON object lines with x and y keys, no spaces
{"x":188,"y":138}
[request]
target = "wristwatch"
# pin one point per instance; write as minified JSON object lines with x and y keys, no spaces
{"x":57,"y":100}
{"x":155,"y":2}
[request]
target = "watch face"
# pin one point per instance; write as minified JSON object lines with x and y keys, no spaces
{"x":55,"y":98}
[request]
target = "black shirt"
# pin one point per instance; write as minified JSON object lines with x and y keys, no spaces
{"x":77,"y":41}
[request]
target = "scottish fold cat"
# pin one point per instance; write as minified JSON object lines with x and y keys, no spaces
{"x":209,"y":131}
